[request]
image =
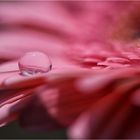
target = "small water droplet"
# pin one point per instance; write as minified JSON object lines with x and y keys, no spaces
{"x":34,"y":63}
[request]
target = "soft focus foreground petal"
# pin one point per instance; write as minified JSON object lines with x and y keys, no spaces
{"x":30,"y":117}
{"x":65,"y":100}
{"x":35,"y":117}
{"x":10,"y":111}
{"x":108,"y":116}
{"x":15,"y":87}
{"x":18,"y":90}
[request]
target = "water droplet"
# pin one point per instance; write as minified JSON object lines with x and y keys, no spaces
{"x":34,"y":63}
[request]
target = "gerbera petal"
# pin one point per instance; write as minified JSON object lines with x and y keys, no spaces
{"x":10,"y":111}
{"x":31,"y":119}
{"x":101,"y":120}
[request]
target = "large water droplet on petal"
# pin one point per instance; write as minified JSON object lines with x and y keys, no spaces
{"x":34,"y":63}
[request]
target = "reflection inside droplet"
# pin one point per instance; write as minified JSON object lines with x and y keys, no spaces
{"x":34,"y":63}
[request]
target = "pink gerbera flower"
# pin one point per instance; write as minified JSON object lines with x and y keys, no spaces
{"x":86,"y":80}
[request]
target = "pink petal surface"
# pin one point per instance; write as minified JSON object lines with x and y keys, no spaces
{"x":103,"y":111}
